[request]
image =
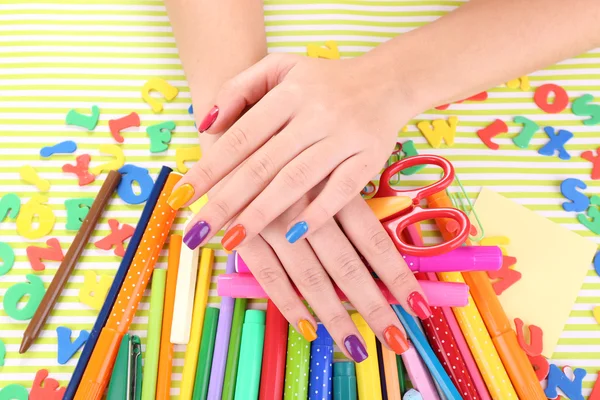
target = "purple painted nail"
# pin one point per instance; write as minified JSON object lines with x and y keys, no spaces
{"x":197,"y":234}
{"x":355,"y":348}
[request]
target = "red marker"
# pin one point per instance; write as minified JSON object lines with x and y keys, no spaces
{"x":273,"y":371}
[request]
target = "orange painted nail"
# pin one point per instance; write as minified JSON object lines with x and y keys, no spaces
{"x":307,"y":330}
{"x":395,"y":339}
{"x":233,"y":237}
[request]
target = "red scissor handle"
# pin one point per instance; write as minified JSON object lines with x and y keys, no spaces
{"x":395,"y":226}
{"x":385,"y":190}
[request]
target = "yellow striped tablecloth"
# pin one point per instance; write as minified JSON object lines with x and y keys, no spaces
{"x":57,"y":55}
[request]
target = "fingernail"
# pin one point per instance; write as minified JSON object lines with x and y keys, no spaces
{"x":355,"y":348}
{"x":307,"y":330}
{"x":197,"y":234}
{"x":296,"y":231}
{"x":233,"y":237}
{"x":419,"y":305}
{"x":180,"y":196}
{"x":395,"y":339}
{"x":209,"y":119}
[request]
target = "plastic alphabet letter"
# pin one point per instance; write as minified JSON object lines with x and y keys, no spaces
{"x":535,"y":346}
{"x":7,"y":255}
{"x":561,"y":98}
{"x":581,"y":107}
{"x":77,"y":210}
{"x":45,"y":388}
{"x":93,"y":292}
{"x":540,"y":366}
{"x":519,"y":83}
{"x":117,"y":125}
{"x":596,"y":263}
{"x":45,"y":218}
{"x":557,"y":143}
{"x":66,"y":147}
{"x":571,"y":388}
{"x":14,"y":391}
{"x":160,"y":136}
{"x":505,"y":275}
{"x":494,"y":129}
{"x":523,"y":139}
{"x":409,"y":150}
{"x":2,"y":353}
{"x":130,"y":174}
{"x":88,"y":122}
{"x":29,"y":175}
{"x":53,"y":253}
{"x":81,"y":169}
{"x":160,"y":85}
{"x":66,"y":348}
{"x":116,"y":237}
{"x":186,"y":154}
{"x":330,"y":51}
{"x":579,"y":201}
{"x":478,"y":97}
{"x":592,"y":212}
{"x":10,"y":205}
{"x":439,"y":129}
{"x":34,"y":288}
{"x":113,"y":165}
{"x":595,"y":160}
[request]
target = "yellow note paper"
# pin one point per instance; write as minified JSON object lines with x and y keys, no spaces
{"x":553,"y":262}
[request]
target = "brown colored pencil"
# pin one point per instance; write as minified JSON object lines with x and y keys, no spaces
{"x":68,"y":264}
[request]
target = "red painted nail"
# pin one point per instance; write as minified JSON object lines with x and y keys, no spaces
{"x":233,"y":237}
{"x":209,"y":119}
{"x":419,"y":305}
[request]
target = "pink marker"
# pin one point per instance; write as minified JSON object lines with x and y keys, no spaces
{"x":439,"y":294}
{"x":463,"y":259}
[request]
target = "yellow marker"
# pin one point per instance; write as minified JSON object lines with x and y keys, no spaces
{"x":330,"y":51}
{"x":188,"y":375}
{"x":198,"y":204}
{"x":162,"y":86}
{"x":113,"y":165}
{"x":32,"y":209}
{"x":93,"y":292}
{"x":367,"y":372}
{"x":185,"y":154}
{"x":439,"y":129}
{"x":481,"y":345}
{"x":29,"y":175}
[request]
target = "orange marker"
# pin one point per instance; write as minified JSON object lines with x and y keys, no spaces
{"x":165,"y":360}
{"x":97,"y":374}
{"x":515,"y":360}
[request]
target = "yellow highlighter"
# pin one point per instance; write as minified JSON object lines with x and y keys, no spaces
{"x":481,"y":345}
{"x":367,"y":372}
{"x":188,"y":376}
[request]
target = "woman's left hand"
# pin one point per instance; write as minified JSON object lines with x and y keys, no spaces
{"x":310,"y":120}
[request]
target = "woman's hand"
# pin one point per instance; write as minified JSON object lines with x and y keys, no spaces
{"x":311,"y":120}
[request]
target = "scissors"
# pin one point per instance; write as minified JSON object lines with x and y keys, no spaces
{"x":398,"y":209}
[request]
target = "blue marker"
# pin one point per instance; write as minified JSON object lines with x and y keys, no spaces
{"x":116,"y":285}
{"x":429,"y":358}
{"x":321,"y":366}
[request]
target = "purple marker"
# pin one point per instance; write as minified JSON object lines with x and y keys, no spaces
{"x":463,"y":259}
{"x":217,"y":372}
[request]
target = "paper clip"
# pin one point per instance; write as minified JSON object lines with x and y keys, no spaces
{"x":461,"y":200}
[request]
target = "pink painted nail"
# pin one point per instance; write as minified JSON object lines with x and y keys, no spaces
{"x":209,"y":119}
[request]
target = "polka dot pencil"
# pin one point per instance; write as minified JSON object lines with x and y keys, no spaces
{"x":296,"y":366}
{"x":321,"y":366}
{"x":97,"y":373}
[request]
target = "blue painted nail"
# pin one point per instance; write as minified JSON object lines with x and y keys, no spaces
{"x":296,"y":231}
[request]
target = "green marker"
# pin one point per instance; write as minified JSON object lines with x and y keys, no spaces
{"x":157,"y":299}
{"x":253,"y":339}
{"x":207,"y":345}
{"x":296,"y":366}
{"x":344,"y":381}
{"x":401,"y":377}
{"x":233,"y":354}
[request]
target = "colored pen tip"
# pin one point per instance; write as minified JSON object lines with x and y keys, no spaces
{"x":25,"y":345}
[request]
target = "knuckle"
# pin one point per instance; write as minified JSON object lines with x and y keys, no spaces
{"x":401,"y":277}
{"x":204,"y":173}
{"x":221,"y":209}
{"x":296,"y":175}
{"x":269,"y":275}
{"x":236,"y":139}
{"x":350,"y":267}
{"x":256,"y":215}
{"x":286,"y":307}
{"x":313,"y":278}
{"x":337,"y":319}
{"x":379,"y":242}
{"x":261,"y":169}
{"x":377,"y":311}
{"x":347,"y":186}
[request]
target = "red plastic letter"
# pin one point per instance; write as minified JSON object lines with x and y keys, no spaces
{"x":494,"y":129}
{"x":561,"y":98}
{"x":117,"y":125}
{"x":81,"y":169}
{"x":595,"y":160}
{"x":35,"y":254}
{"x":506,"y":276}
{"x":116,"y":237}
{"x":45,"y":388}
{"x":535,"y":338}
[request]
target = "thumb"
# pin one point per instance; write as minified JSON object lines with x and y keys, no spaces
{"x":246,"y":89}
